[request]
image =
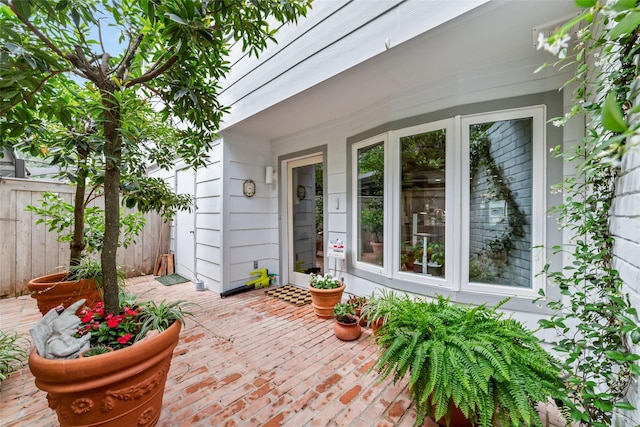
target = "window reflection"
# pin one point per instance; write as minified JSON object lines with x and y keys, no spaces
{"x":501,"y":171}
{"x":423,"y":203}
{"x":371,"y":204}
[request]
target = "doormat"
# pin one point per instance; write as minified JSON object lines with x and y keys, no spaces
{"x":291,"y":294}
{"x":171,"y":279}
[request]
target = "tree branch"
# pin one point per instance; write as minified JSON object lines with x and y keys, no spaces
{"x":36,"y":89}
{"x":150,"y":75}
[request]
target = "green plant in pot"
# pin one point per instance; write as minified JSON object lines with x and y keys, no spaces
{"x":488,"y":366}
{"x":372,"y":220}
{"x":326,"y":291}
{"x":436,"y":259}
{"x":347,"y":326}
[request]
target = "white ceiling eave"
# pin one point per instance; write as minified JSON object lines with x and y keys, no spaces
{"x":491,"y":44}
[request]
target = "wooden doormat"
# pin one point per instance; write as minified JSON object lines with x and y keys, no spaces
{"x":171,"y":279}
{"x":291,"y":294}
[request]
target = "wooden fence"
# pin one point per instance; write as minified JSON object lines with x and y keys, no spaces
{"x":28,"y":250}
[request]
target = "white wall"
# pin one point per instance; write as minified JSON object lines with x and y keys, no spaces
{"x":249,"y":226}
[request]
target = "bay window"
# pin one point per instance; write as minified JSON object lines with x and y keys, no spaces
{"x":464,"y":206}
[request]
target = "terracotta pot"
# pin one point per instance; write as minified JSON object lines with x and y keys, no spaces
{"x":376,"y":325}
{"x":456,"y":418}
{"x":50,"y":291}
{"x":347,"y":331}
{"x":323,"y":300}
{"x":121,"y":388}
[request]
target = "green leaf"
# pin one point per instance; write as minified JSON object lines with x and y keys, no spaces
{"x":624,"y":405}
{"x":622,"y":5}
{"x":627,"y":25}
{"x":612,"y":118}
{"x":586,"y":3}
{"x":23,"y":8}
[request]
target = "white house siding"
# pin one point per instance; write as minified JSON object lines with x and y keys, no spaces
{"x":249,"y":222}
{"x":335,"y":36}
{"x":625,"y":225}
{"x":208,"y":238}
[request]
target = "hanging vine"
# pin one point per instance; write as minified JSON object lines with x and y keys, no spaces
{"x":594,"y":320}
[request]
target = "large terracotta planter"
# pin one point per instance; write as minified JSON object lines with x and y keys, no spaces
{"x":50,"y":291}
{"x":347,"y":331}
{"x":323,"y":300}
{"x":121,"y":388}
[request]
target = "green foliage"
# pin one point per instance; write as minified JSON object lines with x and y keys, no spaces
{"x":379,"y":308}
{"x":324,"y":282}
{"x":159,"y":316}
{"x":372,"y":217}
{"x":344,"y":312}
{"x":58,"y":216}
{"x":13,"y":353}
{"x":97,"y":350}
{"x":594,"y":319}
{"x":176,"y":52}
{"x":488,"y":365}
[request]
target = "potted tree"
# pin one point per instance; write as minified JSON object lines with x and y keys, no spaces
{"x":347,"y":325}
{"x":326,"y":292}
{"x":83,"y":277}
{"x":173,"y":55}
{"x":119,"y":387}
{"x":488,"y":366}
{"x":372,"y":219}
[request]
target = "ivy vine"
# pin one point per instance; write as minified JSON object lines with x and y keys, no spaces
{"x":594,"y":320}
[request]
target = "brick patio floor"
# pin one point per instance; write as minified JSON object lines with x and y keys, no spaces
{"x":248,"y":360}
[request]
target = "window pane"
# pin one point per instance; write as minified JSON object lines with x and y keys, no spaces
{"x":423,"y":203}
{"x":500,"y":202}
{"x":371,"y":204}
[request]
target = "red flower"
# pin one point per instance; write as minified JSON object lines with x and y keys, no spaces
{"x":124,"y":339}
{"x":129,"y":312}
{"x":113,"y":322}
{"x":87,"y":317}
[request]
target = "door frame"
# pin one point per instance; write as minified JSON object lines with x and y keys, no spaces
{"x":287,"y":263}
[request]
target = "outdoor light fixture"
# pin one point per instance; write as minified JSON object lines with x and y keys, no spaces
{"x":270,"y":175}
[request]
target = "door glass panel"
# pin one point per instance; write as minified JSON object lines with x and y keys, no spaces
{"x":370,"y":201}
{"x":500,"y":205}
{"x":422,"y":209}
{"x":307,"y":218}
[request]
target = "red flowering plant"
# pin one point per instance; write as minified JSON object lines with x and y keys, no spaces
{"x":112,"y":330}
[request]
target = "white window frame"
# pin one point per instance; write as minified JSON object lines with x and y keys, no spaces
{"x":457,"y":195}
{"x":538,"y":201}
{"x":451,"y":218}
{"x":384,"y":269}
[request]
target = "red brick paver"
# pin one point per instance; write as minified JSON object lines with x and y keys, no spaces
{"x":247,"y":360}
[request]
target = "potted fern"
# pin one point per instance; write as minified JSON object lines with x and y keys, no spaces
{"x":465,"y":360}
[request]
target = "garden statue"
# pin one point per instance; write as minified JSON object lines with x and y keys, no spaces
{"x":54,"y":334}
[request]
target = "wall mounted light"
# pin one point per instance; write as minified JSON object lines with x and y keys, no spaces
{"x":270,"y":175}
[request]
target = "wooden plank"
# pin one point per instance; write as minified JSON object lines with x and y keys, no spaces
{"x":170,"y":267}
{"x":23,"y":241}
{"x":7,"y":242}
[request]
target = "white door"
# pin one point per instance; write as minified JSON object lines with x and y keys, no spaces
{"x":184,"y":258}
{"x":305,"y":218}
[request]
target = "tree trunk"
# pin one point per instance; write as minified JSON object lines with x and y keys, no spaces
{"x":77,"y":244}
{"x":113,"y":155}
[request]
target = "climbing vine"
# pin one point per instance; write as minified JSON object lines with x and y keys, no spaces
{"x":594,"y":320}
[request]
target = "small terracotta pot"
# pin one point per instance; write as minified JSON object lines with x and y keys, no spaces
{"x":121,"y":388}
{"x":347,"y":331}
{"x":51,"y":291}
{"x":324,"y":300}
